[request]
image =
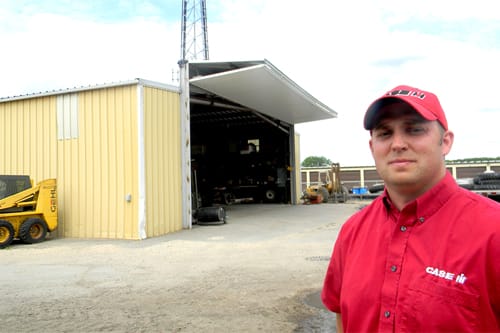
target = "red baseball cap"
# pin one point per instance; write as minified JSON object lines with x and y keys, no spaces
{"x":424,"y":102}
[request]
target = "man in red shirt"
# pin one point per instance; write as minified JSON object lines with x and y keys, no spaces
{"x":425,"y":255}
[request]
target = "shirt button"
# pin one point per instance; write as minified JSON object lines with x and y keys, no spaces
{"x":387,"y":314}
{"x":403,"y":228}
{"x":394,"y":268}
{"x":421,"y":219}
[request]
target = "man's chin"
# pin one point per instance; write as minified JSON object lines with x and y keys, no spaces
{"x":401,"y":180}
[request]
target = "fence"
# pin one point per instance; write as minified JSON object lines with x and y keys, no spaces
{"x":367,"y":176}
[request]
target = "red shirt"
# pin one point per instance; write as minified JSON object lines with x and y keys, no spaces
{"x":433,"y":267}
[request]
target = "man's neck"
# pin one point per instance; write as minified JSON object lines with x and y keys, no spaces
{"x":400,"y":200}
{"x":403,"y":194}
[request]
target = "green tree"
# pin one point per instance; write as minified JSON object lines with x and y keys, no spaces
{"x":316,"y":161}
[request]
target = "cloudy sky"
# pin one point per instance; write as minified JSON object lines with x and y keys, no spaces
{"x":345,"y":53}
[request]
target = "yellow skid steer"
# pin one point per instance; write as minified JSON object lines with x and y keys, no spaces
{"x":27,"y":212}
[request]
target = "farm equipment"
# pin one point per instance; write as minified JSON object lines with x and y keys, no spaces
{"x":328,"y":187}
{"x":27,"y":212}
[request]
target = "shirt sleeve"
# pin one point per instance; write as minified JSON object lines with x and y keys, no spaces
{"x":330,"y":294}
{"x":494,"y":272}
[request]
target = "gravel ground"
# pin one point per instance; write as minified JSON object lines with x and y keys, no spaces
{"x":260,"y":272}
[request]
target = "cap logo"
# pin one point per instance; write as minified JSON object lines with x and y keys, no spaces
{"x":402,"y":92}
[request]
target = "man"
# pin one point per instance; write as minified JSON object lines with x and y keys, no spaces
{"x":425,"y":255}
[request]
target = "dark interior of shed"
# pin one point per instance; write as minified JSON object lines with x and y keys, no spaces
{"x":238,"y":155}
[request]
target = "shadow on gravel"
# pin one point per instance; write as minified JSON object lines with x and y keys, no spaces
{"x":322,"y":322}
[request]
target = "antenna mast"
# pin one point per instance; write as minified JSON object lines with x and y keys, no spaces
{"x":194,"y":34}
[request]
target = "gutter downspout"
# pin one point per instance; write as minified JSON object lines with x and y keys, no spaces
{"x":141,"y":164}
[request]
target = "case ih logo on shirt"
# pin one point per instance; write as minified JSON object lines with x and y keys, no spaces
{"x":446,"y":275}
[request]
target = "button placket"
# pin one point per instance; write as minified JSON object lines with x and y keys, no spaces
{"x":395,"y":254}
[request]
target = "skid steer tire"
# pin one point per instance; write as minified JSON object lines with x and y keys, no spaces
{"x":33,"y":230}
{"x":6,"y":234}
{"x":324,"y":194}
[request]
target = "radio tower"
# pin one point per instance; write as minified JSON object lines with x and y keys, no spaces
{"x":194,"y":35}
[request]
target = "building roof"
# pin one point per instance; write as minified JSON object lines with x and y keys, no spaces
{"x":92,"y":87}
{"x":256,"y":86}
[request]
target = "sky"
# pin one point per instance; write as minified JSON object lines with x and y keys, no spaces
{"x":344,"y":53}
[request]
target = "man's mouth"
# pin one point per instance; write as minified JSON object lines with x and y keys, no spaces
{"x":401,"y":162}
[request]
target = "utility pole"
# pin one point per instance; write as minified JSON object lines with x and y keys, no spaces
{"x":194,"y":34}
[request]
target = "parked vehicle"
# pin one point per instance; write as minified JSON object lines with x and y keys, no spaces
{"x":328,"y":189}
{"x":27,"y":212}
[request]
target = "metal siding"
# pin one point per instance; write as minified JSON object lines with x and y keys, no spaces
{"x":99,"y":167}
{"x":28,"y":134}
{"x":163,"y":161}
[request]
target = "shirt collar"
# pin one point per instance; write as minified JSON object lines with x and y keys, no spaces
{"x":427,"y":204}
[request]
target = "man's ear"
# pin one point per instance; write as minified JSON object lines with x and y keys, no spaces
{"x":448,"y":138}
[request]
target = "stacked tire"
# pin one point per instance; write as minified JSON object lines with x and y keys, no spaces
{"x":487,"y":181}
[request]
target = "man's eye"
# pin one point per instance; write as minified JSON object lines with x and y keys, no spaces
{"x":382,"y":134}
{"x":416,"y":130}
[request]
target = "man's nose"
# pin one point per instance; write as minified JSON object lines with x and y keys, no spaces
{"x":399,"y":141}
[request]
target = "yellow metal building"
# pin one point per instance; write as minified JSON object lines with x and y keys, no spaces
{"x":114,"y":150}
{"x":122,"y":152}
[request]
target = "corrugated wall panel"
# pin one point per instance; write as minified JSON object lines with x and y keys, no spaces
{"x":28,"y":133}
{"x":163,"y":161}
{"x":98,"y":168}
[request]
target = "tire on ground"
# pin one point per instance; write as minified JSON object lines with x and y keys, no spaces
{"x":6,"y":233}
{"x":211,"y":215}
{"x":33,"y":230}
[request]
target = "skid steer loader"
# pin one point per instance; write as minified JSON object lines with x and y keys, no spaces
{"x":27,"y":212}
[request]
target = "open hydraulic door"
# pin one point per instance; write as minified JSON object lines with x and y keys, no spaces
{"x":261,"y":87}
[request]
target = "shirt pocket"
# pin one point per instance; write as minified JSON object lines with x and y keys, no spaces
{"x":431,"y":306}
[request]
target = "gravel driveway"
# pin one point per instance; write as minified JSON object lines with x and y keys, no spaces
{"x":260,"y":272}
